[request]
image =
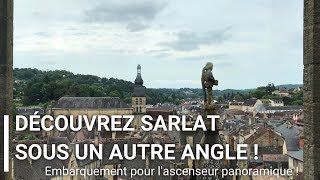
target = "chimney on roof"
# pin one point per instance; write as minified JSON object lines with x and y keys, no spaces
{"x":301,"y":142}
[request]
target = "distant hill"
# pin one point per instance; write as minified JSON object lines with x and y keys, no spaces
{"x":289,"y":86}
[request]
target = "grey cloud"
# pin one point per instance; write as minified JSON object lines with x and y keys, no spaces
{"x":205,"y":58}
{"x":187,"y":41}
{"x":162,"y":55}
{"x":43,"y":34}
{"x":136,"y":26}
{"x":135,"y":15}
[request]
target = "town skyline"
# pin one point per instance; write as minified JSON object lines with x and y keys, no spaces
{"x":290,"y":85}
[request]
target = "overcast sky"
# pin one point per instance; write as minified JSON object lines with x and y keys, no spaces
{"x":251,"y":43}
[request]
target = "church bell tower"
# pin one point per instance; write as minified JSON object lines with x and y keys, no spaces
{"x":138,"y":99}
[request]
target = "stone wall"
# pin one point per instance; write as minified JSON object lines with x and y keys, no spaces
{"x":311,"y":61}
{"x":6,"y":79}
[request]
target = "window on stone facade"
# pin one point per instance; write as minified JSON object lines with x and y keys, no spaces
{"x":140,"y":100}
{"x":137,"y":102}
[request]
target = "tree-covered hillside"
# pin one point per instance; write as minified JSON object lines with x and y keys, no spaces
{"x":34,"y":87}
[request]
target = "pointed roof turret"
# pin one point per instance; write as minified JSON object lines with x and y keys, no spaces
{"x":138,"y":80}
{"x":139,"y":90}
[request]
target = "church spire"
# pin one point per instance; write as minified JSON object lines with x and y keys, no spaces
{"x":139,"y":90}
{"x":138,"y":80}
{"x":138,"y":100}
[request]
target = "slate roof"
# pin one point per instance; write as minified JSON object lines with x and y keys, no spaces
{"x":138,"y":80}
{"x":90,"y":103}
{"x":284,"y":108}
{"x":34,"y":169}
{"x":274,"y":123}
{"x":30,"y":110}
{"x":290,"y":134}
{"x":288,"y":131}
{"x":250,"y":102}
{"x":292,"y":144}
{"x":296,"y":154}
{"x":139,"y":91}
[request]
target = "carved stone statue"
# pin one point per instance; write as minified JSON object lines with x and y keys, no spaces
{"x":208,"y":82}
{"x":209,"y":137}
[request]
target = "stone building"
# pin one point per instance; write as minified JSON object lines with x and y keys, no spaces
{"x":103,"y":106}
{"x":88,"y":106}
{"x":270,"y":102}
{"x":269,"y":142}
{"x":295,"y":160}
{"x":139,"y":101}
